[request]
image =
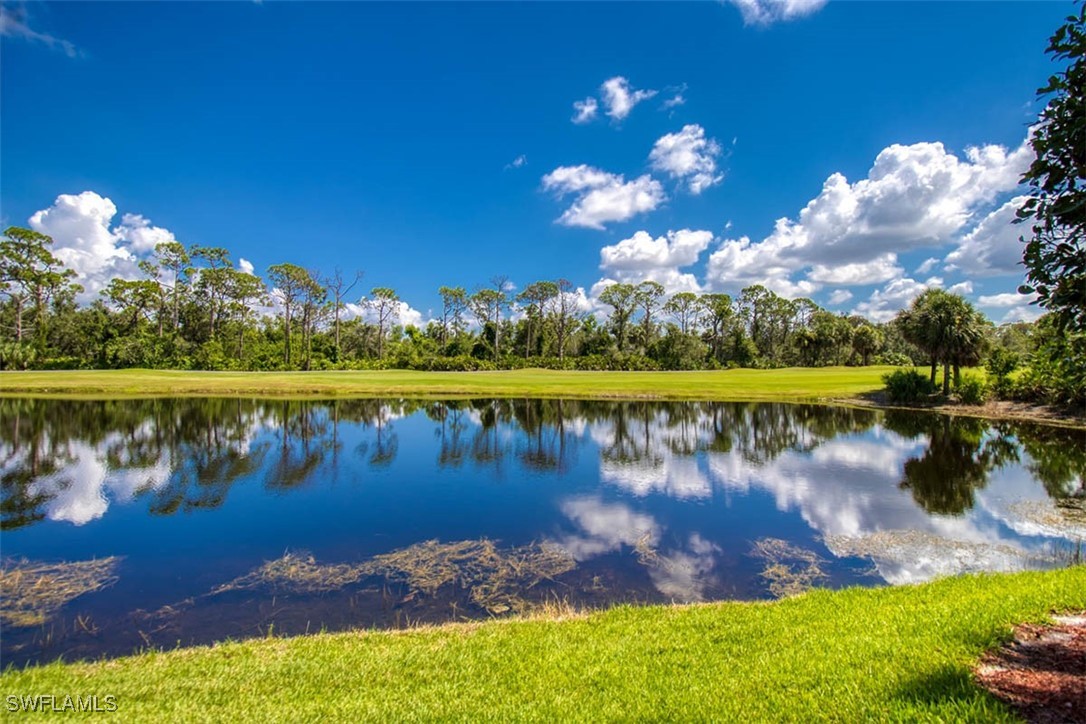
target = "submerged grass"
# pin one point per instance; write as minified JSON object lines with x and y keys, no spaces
{"x":793,"y":384}
{"x":32,"y":591}
{"x":492,"y":576}
{"x":889,"y":654}
{"x":295,"y":573}
{"x":790,"y":570}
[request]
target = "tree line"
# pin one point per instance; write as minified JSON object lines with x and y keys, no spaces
{"x":192,"y":309}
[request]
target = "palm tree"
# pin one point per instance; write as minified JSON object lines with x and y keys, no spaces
{"x":948,"y":329}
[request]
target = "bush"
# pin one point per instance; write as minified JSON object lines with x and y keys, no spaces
{"x":973,"y":390}
{"x":907,"y":385}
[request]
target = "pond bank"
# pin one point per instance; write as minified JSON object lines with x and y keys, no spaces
{"x":891,"y":653}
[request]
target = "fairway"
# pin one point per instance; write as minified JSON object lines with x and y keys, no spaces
{"x":891,"y":654}
{"x":791,"y":384}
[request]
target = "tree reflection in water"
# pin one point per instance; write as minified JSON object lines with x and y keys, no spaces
{"x":58,"y":458}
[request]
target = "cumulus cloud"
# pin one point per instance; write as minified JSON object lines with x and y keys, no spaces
{"x":14,"y":23}
{"x":993,"y":246}
{"x":886,"y":302}
{"x":584,"y":111}
{"x":765,"y":12}
{"x":927,"y":265}
{"x":245,"y":266}
{"x":913,"y":197}
{"x":1019,"y":307}
{"x":602,"y":197}
{"x":620,"y":97}
{"x":82,"y":238}
{"x":688,"y":156}
{"x":877,"y":270}
{"x":840,"y":296}
{"x":641,"y":257}
{"x":517,"y":162}
{"x":141,"y":235}
{"x":404,"y":315}
{"x":642,"y":252}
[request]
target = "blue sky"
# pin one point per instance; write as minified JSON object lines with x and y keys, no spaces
{"x":386,"y":137}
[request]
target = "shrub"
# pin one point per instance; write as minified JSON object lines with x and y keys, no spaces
{"x":973,"y":390}
{"x":907,"y":385}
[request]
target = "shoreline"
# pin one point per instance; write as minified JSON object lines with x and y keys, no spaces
{"x":859,"y":387}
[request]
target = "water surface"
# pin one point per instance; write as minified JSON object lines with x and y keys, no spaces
{"x":180,"y":521}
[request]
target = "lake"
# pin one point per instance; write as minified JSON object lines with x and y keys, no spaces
{"x":136,"y":523}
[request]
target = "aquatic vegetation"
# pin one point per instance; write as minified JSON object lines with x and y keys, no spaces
{"x":31,"y":591}
{"x":492,"y":576}
{"x":296,"y":573}
{"x":790,"y":569}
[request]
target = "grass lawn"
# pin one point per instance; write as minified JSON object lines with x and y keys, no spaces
{"x":792,"y":384}
{"x":901,"y":653}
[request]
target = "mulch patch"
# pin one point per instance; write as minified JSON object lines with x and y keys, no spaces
{"x":1042,"y":672}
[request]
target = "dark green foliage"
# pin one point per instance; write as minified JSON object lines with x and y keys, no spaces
{"x":973,"y":390}
{"x":1000,"y":363}
{"x":1055,"y":253}
{"x":907,"y":386}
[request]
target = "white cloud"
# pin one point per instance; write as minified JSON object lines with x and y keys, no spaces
{"x":886,"y":302}
{"x":1020,"y":307}
{"x":517,"y":162}
{"x":405,"y":315}
{"x":993,"y":246}
{"x":245,"y":266}
{"x":913,"y":197}
{"x":1012,"y":299}
{"x":620,"y":97}
{"x":641,"y":252}
{"x":878,"y":270}
{"x":82,"y":239}
{"x":764,"y":12}
{"x":642,"y":257}
{"x":141,"y":236}
{"x":602,"y":197}
{"x":688,"y":155}
{"x":840,"y":296}
{"x":585,"y":111}
{"x":674,"y":102}
{"x":13,"y":24}
{"x":927,"y":266}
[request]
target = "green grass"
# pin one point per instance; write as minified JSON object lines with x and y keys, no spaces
{"x":889,"y":654}
{"x":793,"y":384}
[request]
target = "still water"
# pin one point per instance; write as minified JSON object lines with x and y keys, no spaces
{"x":137,"y":523}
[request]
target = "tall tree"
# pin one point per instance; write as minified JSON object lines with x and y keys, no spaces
{"x":385,"y":305}
{"x":622,"y":298}
{"x":686,"y":309}
{"x":454,"y":304}
{"x":1055,"y":254}
{"x":866,"y":340}
{"x":289,"y":283}
{"x":29,"y":273}
{"x":486,"y":305}
{"x":339,"y":288}
{"x":212,"y":281}
{"x":171,"y":255}
{"x":649,"y":294}
{"x":534,"y":297}
{"x":721,"y":319}
{"x":565,"y":314}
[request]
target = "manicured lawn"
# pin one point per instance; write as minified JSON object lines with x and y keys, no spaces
{"x":740,"y":384}
{"x":900,"y":654}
